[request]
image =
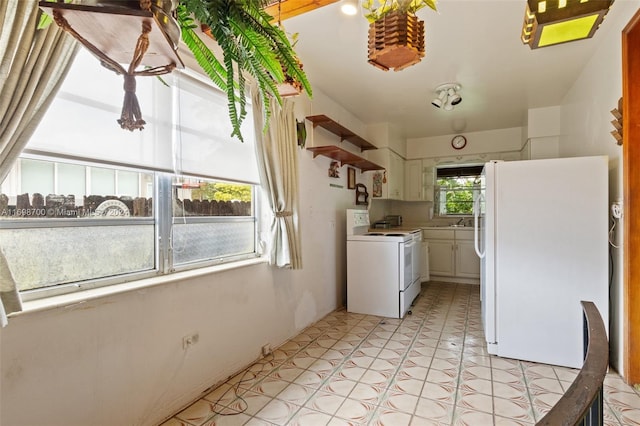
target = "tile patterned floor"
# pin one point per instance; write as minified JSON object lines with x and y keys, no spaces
{"x":430,"y":368}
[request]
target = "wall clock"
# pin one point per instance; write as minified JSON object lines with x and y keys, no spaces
{"x":458,"y":142}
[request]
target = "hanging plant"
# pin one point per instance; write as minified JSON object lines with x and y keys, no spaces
{"x":376,"y":9}
{"x":250,"y":44}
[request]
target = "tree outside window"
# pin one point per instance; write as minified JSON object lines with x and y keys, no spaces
{"x":456,"y":189}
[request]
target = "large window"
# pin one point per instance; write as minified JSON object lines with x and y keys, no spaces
{"x":89,"y":204}
{"x":456,"y":188}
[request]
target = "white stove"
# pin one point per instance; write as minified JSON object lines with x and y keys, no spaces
{"x":382,"y":236}
{"x":383,"y":272}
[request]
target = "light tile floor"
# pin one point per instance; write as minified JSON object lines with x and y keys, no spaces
{"x":430,"y":368}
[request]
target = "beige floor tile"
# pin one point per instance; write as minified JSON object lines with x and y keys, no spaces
{"x":277,"y":412}
{"x":269,"y":386}
{"x":476,"y":402}
{"x":223,"y":394}
{"x":250,"y":403}
{"x":467,"y":417}
{"x":308,"y":417}
{"x":230,"y":420}
{"x":356,"y":411}
{"x":434,"y":411}
{"x":430,"y":368}
{"x":296,"y":393}
{"x":407,"y":385}
{"x":198,"y":412}
{"x":513,"y":409}
{"x":175,"y":422}
{"x":400,"y":401}
{"x":510,"y":390}
{"x":387,"y":417}
{"x":350,"y":373}
{"x":325,"y":402}
{"x":379,"y":378}
{"x":544,"y":385}
{"x":339,"y":386}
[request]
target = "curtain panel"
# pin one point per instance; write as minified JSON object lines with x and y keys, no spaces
{"x":278,"y":166}
{"x":33,"y":64}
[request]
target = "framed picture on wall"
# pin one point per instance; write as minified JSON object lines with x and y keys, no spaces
{"x":351,"y":178}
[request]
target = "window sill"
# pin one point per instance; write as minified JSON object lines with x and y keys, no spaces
{"x":80,"y":297}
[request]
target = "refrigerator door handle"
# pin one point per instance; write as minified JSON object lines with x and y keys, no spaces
{"x":476,"y":214}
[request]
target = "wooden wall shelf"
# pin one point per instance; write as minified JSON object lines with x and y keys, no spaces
{"x":344,"y":157}
{"x":337,"y":129}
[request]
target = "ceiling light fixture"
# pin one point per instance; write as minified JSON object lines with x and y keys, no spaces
{"x":440,"y":100}
{"x":448,"y":96}
{"x":550,"y":22}
{"x":349,"y":7}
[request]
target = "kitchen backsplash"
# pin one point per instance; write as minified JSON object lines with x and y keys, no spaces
{"x":413,"y":213}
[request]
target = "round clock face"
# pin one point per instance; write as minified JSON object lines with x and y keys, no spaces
{"x":458,"y":142}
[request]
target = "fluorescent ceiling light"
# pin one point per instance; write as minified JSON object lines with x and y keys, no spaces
{"x":551,"y":22}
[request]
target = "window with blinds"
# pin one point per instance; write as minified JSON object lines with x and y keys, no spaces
{"x":89,"y":204}
{"x":456,"y":188}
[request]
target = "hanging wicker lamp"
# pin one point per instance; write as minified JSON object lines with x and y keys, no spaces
{"x":141,"y":33}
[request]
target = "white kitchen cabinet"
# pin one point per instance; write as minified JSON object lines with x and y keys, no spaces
{"x":419,"y":181}
{"x":393,"y":163}
{"x":452,"y":255}
{"x":441,"y":251}
{"x":467,"y":261}
{"x":428,"y":182}
{"x":413,"y":180}
{"x":441,"y":258}
{"x":424,"y":263}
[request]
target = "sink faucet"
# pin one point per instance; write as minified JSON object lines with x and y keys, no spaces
{"x":461,"y":221}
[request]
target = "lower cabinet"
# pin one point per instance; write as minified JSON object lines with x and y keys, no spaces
{"x":452,"y":254}
{"x":467,"y":261}
{"x":424,"y":264}
{"x":441,"y":258}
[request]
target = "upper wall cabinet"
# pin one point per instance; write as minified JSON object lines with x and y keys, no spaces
{"x":413,"y":180}
{"x":419,"y":181}
{"x":393,"y":189}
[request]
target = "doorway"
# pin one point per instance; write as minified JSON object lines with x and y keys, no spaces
{"x":631,"y":204}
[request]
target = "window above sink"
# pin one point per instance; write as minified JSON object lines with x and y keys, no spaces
{"x":456,"y":188}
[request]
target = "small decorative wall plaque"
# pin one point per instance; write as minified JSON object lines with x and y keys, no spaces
{"x":351,"y":178}
{"x":334,"y":169}
{"x":377,"y":184}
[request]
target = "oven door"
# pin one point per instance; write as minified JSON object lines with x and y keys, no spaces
{"x":406,"y":275}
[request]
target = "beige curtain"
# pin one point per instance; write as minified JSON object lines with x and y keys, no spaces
{"x":33,"y":64}
{"x":278,"y":164}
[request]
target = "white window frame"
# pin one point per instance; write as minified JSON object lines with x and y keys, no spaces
{"x":162,"y":208}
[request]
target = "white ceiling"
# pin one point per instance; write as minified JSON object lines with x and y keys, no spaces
{"x":473,"y":42}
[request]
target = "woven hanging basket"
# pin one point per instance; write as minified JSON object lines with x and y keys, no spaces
{"x":396,"y":41}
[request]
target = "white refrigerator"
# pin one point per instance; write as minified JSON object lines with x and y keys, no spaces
{"x":542,"y":235}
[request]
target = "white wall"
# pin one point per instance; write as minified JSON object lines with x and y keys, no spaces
{"x":585,"y":130}
{"x":498,"y":140}
{"x":118,"y":360}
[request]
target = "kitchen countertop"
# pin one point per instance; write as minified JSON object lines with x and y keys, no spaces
{"x":396,"y":229}
{"x":447,"y":227}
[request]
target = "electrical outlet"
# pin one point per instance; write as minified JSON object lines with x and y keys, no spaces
{"x":190,"y":340}
{"x":266,"y":350}
{"x":616,"y":209}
